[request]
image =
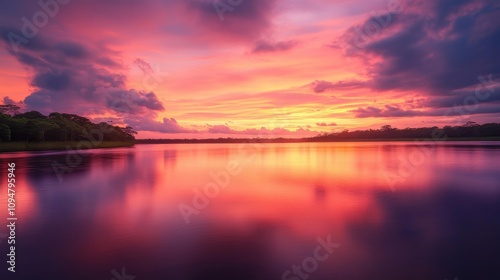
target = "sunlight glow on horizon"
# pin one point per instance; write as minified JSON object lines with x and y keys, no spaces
{"x":228,"y":78}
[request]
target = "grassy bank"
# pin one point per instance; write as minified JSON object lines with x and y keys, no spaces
{"x":47,"y":146}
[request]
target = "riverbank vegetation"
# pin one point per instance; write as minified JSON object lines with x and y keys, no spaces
{"x":34,"y":131}
{"x":467,"y":132}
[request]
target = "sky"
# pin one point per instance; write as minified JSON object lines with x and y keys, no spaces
{"x":253,"y":68}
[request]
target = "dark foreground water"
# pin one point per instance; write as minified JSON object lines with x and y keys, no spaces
{"x":257,"y":211}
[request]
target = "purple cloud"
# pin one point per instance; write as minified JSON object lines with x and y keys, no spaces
{"x":437,"y":46}
{"x":322,"y":86}
{"x":387,"y":112}
{"x":73,"y":77}
{"x":263,"y":46}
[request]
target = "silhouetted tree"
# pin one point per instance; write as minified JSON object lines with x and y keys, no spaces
{"x":34,"y":126}
{"x":9,"y":109}
{"x":31,"y":115}
{"x":5,"y":133}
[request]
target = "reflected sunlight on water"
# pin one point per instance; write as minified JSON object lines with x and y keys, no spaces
{"x":120,"y":208}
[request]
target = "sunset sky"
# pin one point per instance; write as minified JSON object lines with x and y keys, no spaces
{"x":249,"y":68}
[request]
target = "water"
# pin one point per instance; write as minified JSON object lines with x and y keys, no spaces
{"x":388,"y":210}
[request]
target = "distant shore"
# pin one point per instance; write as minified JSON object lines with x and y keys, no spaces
{"x":55,"y":146}
{"x":301,"y":140}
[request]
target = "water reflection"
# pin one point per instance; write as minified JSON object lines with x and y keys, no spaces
{"x":119,"y":208}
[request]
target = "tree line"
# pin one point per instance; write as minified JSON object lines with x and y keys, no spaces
{"x":33,"y":126}
{"x":468,"y":130}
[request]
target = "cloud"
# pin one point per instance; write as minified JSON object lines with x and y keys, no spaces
{"x":144,"y":66}
{"x":131,"y":101}
{"x":326,"y":124}
{"x":489,"y":93}
{"x":168,"y":125}
{"x":387,"y":112}
{"x":192,"y":24}
{"x":435,"y":46}
{"x":322,"y":86}
{"x":171,"y":126}
{"x":8,"y":101}
{"x":263,"y":46}
{"x":247,"y":20}
{"x":442,"y":50}
{"x":262,"y":132}
{"x":73,"y":77}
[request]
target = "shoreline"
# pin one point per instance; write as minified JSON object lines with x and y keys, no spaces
{"x":306,"y":140}
{"x":7,"y":147}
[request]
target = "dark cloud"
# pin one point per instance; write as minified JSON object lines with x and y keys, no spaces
{"x":386,"y":112}
{"x":322,"y":86}
{"x":8,"y":101}
{"x":244,"y":19}
{"x":466,"y":97}
{"x":263,"y":46}
{"x":74,"y":77}
{"x":132,"y":101}
{"x":438,"y":46}
{"x":460,"y":110}
{"x":441,"y":49}
{"x":70,"y":49}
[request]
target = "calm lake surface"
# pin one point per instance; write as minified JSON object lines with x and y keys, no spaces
{"x":391,"y":211}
